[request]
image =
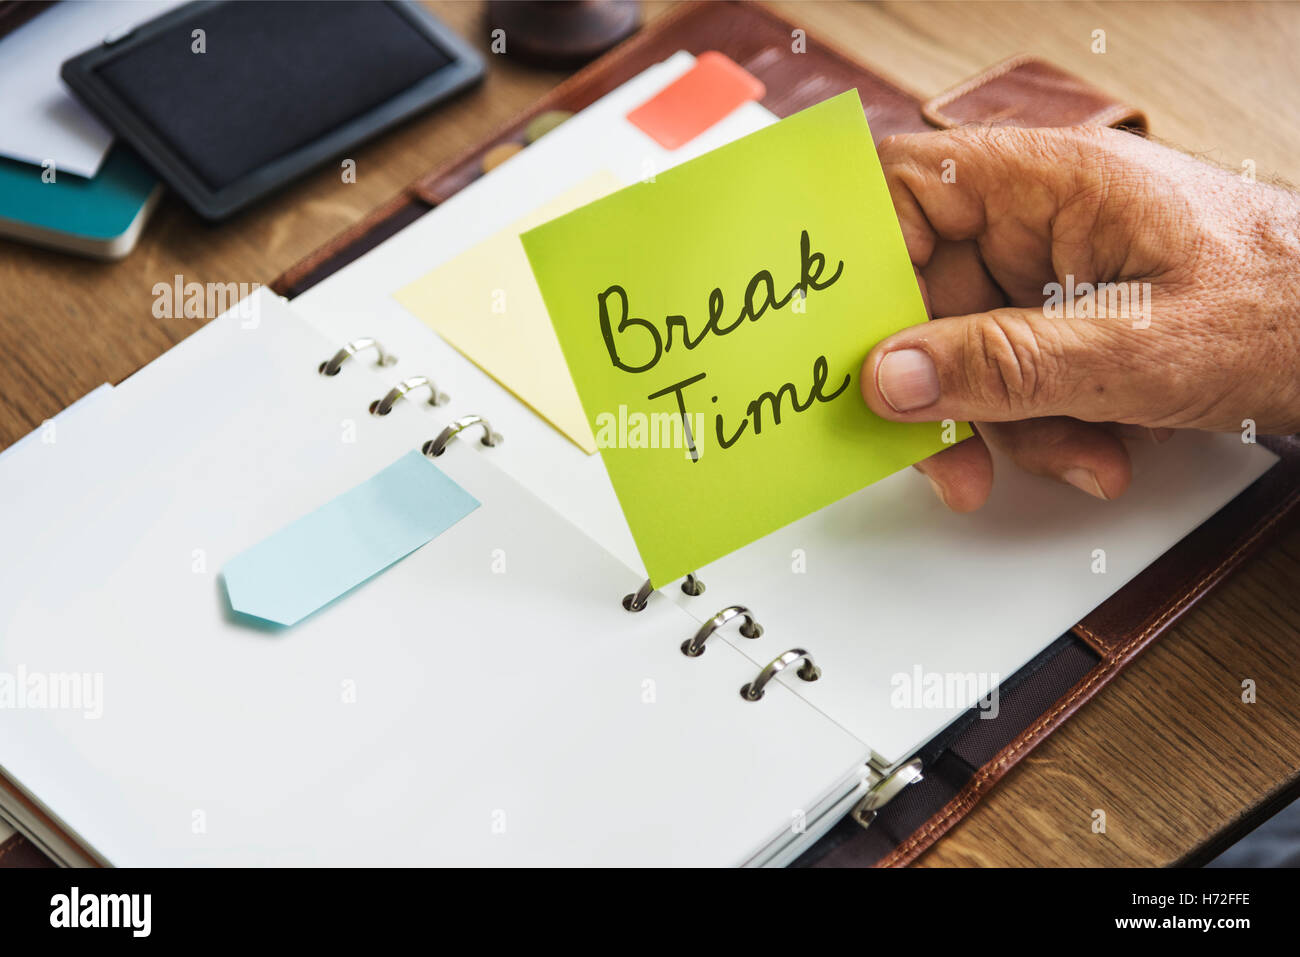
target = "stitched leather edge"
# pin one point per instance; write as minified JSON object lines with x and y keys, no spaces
{"x":1105,"y":648}
{"x":930,"y":109}
{"x":1091,"y":639}
{"x":921,"y":840}
{"x":1116,"y":114}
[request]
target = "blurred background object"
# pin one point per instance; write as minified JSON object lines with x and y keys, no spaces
{"x":562,"y":33}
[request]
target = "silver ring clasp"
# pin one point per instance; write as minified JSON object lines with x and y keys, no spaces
{"x":637,"y":600}
{"x":332,"y":366}
{"x":749,"y":628}
{"x":405,"y":387}
{"x":435,"y":447}
{"x":808,"y":671}
{"x":885,"y":790}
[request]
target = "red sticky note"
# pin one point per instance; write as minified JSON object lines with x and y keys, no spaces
{"x":697,"y":99}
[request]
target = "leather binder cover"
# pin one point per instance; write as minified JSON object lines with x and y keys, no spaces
{"x":970,"y":757}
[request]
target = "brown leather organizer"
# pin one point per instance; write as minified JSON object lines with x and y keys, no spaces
{"x":967,"y":760}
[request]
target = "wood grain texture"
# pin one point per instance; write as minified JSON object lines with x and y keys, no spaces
{"x":1169,"y":751}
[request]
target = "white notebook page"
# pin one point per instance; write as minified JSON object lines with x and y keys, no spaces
{"x":520,"y":717}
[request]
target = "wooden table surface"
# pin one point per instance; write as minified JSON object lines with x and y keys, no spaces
{"x":1169,"y":751}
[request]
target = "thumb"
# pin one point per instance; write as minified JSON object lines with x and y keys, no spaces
{"x":1000,"y":366}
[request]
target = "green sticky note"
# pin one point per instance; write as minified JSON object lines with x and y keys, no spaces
{"x":715,"y":321}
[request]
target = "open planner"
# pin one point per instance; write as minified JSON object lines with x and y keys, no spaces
{"x":490,"y":698}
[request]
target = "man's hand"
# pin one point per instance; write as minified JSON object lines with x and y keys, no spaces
{"x":1055,"y":391}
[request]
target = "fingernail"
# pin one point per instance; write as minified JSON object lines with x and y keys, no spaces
{"x":1085,"y":481}
{"x":938,"y":490}
{"x":1161,"y":435}
{"x":908,"y":380}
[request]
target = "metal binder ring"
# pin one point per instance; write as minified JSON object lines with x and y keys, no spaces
{"x":885,"y":790}
{"x":402,"y":389}
{"x":637,"y":601}
{"x":749,"y":628}
{"x":435,"y":447}
{"x":332,"y":366}
{"x":692,"y":586}
{"x":808,"y":672}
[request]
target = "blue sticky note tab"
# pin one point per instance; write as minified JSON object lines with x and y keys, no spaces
{"x":349,"y":539}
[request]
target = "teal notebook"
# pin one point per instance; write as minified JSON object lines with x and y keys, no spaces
{"x":100,"y":217}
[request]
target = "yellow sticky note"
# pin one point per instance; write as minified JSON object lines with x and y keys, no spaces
{"x":485,"y":302}
{"x":715,"y":321}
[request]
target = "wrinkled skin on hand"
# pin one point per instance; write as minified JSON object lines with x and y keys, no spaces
{"x":1058,"y":395}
